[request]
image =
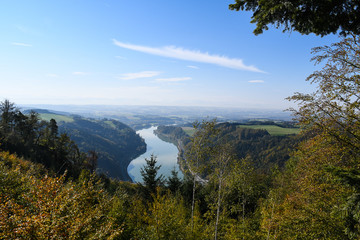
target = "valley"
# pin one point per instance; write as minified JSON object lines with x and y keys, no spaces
{"x":115,"y":143}
{"x":121,"y":151}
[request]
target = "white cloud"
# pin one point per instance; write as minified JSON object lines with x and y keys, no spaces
{"x":21,"y":44}
{"x":179,"y":79}
{"x":27,"y":30}
{"x":52,"y":75}
{"x":80,"y":73}
{"x":120,"y":57}
{"x":144,"y":74}
{"x":21,"y":28}
{"x":190,"y":55}
{"x":194,"y":67}
{"x":256,"y":81}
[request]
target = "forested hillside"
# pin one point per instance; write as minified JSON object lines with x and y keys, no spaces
{"x":40,"y":141}
{"x":250,"y":140}
{"x":115,"y":143}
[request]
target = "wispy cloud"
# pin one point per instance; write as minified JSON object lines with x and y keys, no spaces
{"x":256,"y":81}
{"x":52,"y":75}
{"x":190,"y":55}
{"x":179,"y":79}
{"x":120,"y":57}
{"x":21,"y":44}
{"x":27,"y":30}
{"x":21,"y":28}
{"x":194,"y":67}
{"x":144,"y":74}
{"x":80,"y":73}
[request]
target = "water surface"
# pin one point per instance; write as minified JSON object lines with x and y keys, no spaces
{"x":166,"y":156}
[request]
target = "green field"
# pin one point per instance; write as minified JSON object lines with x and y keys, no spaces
{"x":58,"y":118}
{"x":273,"y":130}
{"x":189,"y":130}
{"x":111,"y":124}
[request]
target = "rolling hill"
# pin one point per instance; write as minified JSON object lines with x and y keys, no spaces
{"x":115,"y":143}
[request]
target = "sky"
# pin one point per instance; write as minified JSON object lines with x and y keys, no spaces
{"x":165,"y":53}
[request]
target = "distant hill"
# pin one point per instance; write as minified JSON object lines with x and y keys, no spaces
{"x":115,"y":143}
{"x":267,"y":143}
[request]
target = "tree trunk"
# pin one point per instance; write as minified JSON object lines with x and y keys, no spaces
{"x":218,"y":208}
{"x":193,"y":206}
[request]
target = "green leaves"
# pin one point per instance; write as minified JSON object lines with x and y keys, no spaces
{"x":304,"y":16}
{"x":317,"y":197}
{"x":334,"y":107}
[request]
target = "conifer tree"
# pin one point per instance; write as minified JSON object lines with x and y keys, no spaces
{"x":174,"y":182}
{"x":151,"y":180}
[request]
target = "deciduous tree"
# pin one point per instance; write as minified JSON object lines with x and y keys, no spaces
{"x":330,"y":118}
{"x":321,"y":17}
{"x":200,"y":149}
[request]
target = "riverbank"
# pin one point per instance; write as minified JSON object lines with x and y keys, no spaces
{"x":181,"y":159}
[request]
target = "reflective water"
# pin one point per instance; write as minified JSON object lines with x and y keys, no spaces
{"x":166,"y":156}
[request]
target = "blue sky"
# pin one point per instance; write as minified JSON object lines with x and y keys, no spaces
{"x":177,"y":53}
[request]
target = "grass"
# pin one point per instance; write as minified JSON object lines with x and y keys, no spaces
{"x":189,"y":131}
{"x":273,"y":130}
{"x":111,"y":124}
{"x":57,"y":117}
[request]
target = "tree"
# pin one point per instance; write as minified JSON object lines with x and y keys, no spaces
{"x":221,"y":163}
{"x":242,"y":189}
{"x":334,"y":109}
{"x":33,"y":206}
{"x":321,"y":17}
{"x":351,"y":208}
{"x":312,"y":197}
{"x":173,"y":182}
{"x":54,"y":129}
{"x":150,"y":179}
{"x":199,"y":150}
{"x":166,"y":218}
{"x":8,"y":111}
{"x":91,"y":161}
{"x":304,"y":201}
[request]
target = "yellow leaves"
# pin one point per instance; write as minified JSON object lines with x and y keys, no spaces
{"x":164,"y":218}
{"x":49,"y":208}
{"x":303,"y":206}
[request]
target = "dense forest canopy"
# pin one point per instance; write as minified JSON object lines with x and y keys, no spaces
{"x":246,"y":140}
{"x":115,"y":143}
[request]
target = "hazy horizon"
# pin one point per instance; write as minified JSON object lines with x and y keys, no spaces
{"x":187,"y":112}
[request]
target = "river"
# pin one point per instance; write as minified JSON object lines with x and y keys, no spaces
{"x":165,"y":152}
